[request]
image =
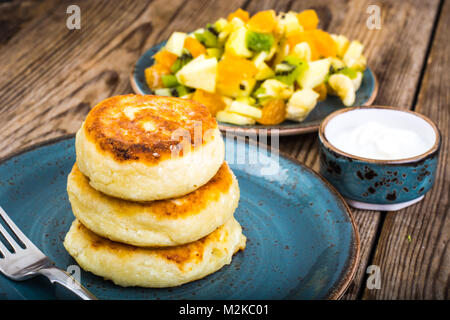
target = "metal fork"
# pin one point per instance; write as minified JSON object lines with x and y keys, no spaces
{"x":27,"y":262}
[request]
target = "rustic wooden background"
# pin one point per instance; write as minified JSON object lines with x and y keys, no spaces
{"x":50,"y":77}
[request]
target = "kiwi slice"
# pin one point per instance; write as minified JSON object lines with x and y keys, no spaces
{"x":208,"y":37}
{"x":169,"y":80}
{"x":349,"y":72}
{"x":181,"y":61}
{"x":258,"y":42}
{"x":180,"y":91}
{"x":288,"y":70}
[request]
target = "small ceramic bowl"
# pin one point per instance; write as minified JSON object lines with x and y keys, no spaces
{"x":386,"y":185}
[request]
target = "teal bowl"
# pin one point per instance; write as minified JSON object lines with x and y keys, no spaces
{"x":376,"y":184}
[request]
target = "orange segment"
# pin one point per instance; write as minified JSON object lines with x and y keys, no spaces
{"x":308,"y":19}
{"x":231,"y":70}
{"x":273,"y":112}
{"x":321,"y":43}
{"x":263,"y":21}
{"x":325,"y":45}
{"x":212,"y":101}
{"x":194,"y":46}
{"x":239,"y":13}
{"x":165,"y":58}
{"x":321,"y":89}
{"x":153,"y":75}
{"x":305,"y":36}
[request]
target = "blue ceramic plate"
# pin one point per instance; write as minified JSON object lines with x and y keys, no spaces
{"x":364,"y":97}
{"x":302,"y":241}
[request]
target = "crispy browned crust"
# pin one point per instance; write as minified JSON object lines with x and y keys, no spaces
{"x":190,"y":204}
{"x":126,"y":139}
{"x":180,"y":255}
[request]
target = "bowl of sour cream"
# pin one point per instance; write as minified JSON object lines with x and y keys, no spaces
{"x":379,"y":158}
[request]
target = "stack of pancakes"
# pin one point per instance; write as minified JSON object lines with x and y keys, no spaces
{"x":152,"y":195}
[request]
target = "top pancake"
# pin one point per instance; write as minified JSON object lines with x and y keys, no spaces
{"x":147,"y":128}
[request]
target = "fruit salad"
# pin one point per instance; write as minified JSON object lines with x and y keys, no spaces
{"x":265,"y":68}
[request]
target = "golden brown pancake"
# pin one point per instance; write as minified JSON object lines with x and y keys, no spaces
{"x":127,"y":265}
{"x":140,"y":128}
{"x":156,"y":223}
{"x":146,"y":148}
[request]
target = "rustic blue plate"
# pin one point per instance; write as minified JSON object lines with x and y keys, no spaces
{"x":364,"y":97}
{"x":302,"y":241}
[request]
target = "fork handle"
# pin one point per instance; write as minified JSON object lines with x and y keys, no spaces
{"x":56,"y":275}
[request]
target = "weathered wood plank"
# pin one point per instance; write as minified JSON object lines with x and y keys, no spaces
{"x":419,"y":267}
{"x":396,"y":54}
{"x":52,"y":76}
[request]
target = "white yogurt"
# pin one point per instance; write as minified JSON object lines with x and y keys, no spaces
{"x":375,"y":140}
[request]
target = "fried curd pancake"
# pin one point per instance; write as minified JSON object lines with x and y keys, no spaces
{"x":145,"y":148}
{"x":128,"y":265}
{"x":157,"y":223}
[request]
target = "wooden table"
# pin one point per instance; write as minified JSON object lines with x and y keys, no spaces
{"x":51,"y":76}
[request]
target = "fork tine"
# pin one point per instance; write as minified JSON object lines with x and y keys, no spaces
{"x":14,"y":228}
{"x":3,"y":250}
{"x":9,"y":239}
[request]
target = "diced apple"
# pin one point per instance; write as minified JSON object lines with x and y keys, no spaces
{"x":175,"y":43}
{"x":288,"y":24}
{"x":343,"y":87}
{"x":264,"y":71}
{"x":353,"y":52}
{"x":315,"y":74}
{"x":358,"y":64}
{"x":248,"y":100}
{"x":231,"y":26}
{"x":273,"y":89}
{"x":236,"y":43}
{"x":301,"y":103}
{"x":199,"y":73}
{"x":341,"y":44}
{"x":234,"y":118}
{"x":220,"y":24}
{"x":163,"y":92}
{"x":357,"y":80}
{"x":281,"y":53}
{"x":245,"y":109}
{"x":302,"y":50}
{"x":336,"y":63}
{"x":246,"y":87}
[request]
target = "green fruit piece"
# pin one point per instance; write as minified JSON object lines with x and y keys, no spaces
{"x":248,"y":100}
{"x":208,"y":37}
{"x":181,"y":61}
{"x":220,"y":24}
{"x":180,"y":91}
{"x":290,"y":69}
{"x":163,"y":92}
{"x":349,"y":72}
{"x":214,"y":52}
{"x":258,"y":42}
{"x":169,"y":80}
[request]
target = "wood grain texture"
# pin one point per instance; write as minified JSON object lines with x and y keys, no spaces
{"x":55,"y":75}
{"x":419,"y":267}
{"x":50,"y":76}
{"x":396,"y":53}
